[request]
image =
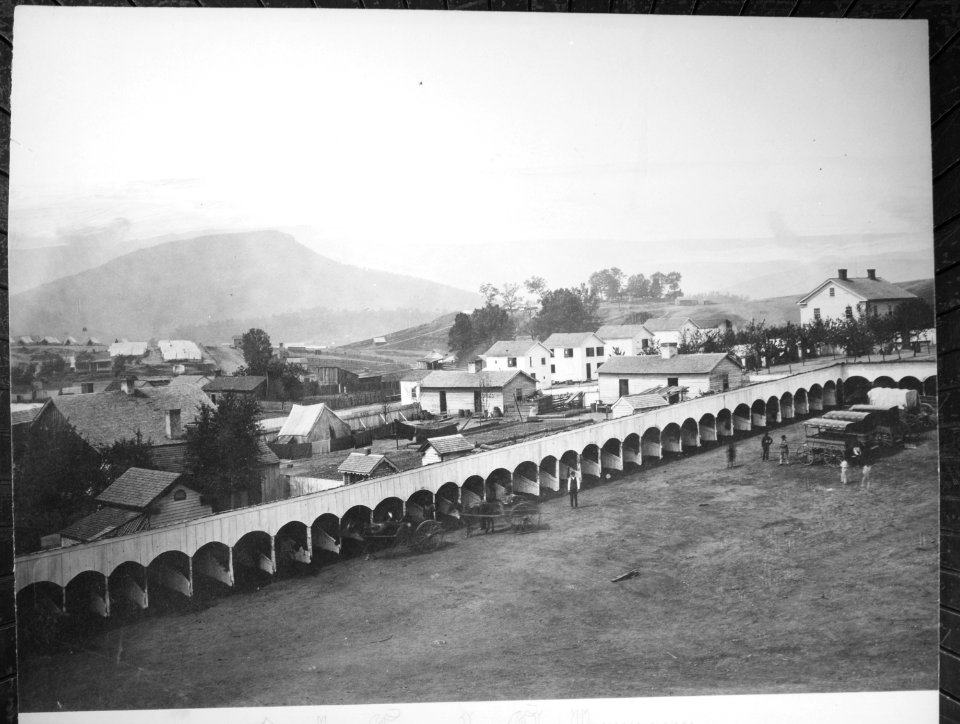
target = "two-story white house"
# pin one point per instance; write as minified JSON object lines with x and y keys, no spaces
{"x":525,"y":355}
{"x":671,"y":330}
{"x":844,"y":296}
{"x":575,"y":356}
{"x":626,"y":339}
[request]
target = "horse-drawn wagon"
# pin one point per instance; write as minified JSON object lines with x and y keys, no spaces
{"x":515,"y":513}
{"x":832,"y":437}
{"x":394,"y":535}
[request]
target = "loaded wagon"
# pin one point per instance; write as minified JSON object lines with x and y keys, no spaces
{"x":394,"y":535}
{"x":516,"y":513}
{"x":830,"y":439}
{"x":889,"y":428}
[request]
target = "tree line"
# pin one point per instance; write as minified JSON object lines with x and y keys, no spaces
{"x":857,"y":335}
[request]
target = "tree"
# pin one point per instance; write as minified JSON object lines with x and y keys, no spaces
{"x":536,"y":286}
{"x":638,"y":286}
{"x":658,"y":281}
{"x":510,"y":297}
{"x":119,"y":365}
{"x":21,"y":374}
{"x":222,"y":451}
{"x":914,"y":317}
{"x":460,"y":337}
{"x":257,"y":351}
{"x":672,"y":284}
{"x":566,"y":310}
{"x":490,"y":293}
{"x":126,"y":453}
{"x":491,"y":323}
{"x":56,"y":478}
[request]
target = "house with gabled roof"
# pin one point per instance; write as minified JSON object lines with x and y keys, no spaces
{"x":671,"y":330}
{"x":445,"y":392}
{"x":632,"y":404}
{"x":626,"y":339}
{"x":697,"y":373}
{"x":358,"y":467}
{"x":527,"y":355}
{"x":253,"y":386}
{"x":575,"y":356}
{"x":140,"y":499}
{"x":844,"y":297}
{"x":445,"y":447}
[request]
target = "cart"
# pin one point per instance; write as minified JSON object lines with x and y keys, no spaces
{"x":514,"y":513}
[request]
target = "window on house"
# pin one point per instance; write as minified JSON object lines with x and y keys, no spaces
{"x":833,"y":292}
{"x":511,"y":361}
{"x":543,"y":360}
{"x":599,"y":351}
{"x":816,"y":312}
{"x":725,"y":381}
{"x":849,"y":312}
{"x":180,"y":495}
{"x":673,"y":382}
{"x":589,"y":351}
{"x":568,"y":352}
{"x":553,"y":369}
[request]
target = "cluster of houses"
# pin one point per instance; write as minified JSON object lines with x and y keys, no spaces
{"x":626,"y":368}
{"x":629,"y":367}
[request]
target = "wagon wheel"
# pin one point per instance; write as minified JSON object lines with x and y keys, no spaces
{"x":832,"y":457}
{"x":428,"y":536}
{"x":524,"y":517}
{"x":806,"y":456}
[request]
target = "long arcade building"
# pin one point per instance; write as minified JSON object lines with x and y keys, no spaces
{"x":228,"y":545}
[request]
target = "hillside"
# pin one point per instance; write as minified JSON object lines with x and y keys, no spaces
{"x":190,"y":283}
{"x":774,"y":311}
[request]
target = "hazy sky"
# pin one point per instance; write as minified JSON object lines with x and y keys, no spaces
{"x":380,"y":135}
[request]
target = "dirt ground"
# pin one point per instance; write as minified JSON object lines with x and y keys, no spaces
{"x":759,"y":579}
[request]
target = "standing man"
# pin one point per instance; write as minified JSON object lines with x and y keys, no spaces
{"x":765,"y":443}
{"x":731,"y":455}
{"x":784,"y":451}
{"x":573,"y":486}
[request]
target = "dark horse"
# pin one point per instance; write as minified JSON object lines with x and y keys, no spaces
{"x":484,"y":514}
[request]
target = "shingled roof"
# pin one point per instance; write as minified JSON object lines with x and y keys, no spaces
{"x":865,"y":288}
{"x":448,"y":444}
{"x":240,"y":383}
{"x":567,"y":339}
{"x":137,"y":488}
{"x":104,"y":417}
{"x":643,"y":401}
{"x":100,"y":524}
{"x":511,"y":348}
{"x":360,"y":464}
{"x":470,"y":380}
{"x":682,"y":364}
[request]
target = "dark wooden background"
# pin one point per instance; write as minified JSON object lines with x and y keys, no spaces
{"x":944,"y":26}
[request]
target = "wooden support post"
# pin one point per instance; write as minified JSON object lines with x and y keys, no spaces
{"x":106,"y":596}
{"x":190,"y":576}
{"x":309,"y":544}
{"x":273,"y":554}
{"x":230,"y":565}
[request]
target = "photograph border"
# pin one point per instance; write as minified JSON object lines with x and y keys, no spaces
{"x":944,"y":54}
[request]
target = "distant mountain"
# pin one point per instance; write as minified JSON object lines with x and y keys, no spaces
{"x":153,"y":291}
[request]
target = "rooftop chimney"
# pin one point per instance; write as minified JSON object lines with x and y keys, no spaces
{"x":172,"y":422}
{"x":668,"y":349}
{"x":127,"y":384}
{"x":872,"y":274}
{"x":842,"y":273}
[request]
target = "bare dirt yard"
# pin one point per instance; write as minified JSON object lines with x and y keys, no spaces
{"x":759,"y":579}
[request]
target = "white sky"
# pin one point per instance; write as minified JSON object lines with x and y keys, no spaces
{"x":378,"y":134}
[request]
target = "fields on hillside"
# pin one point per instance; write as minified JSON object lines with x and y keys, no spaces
{"x":756,"y":579}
